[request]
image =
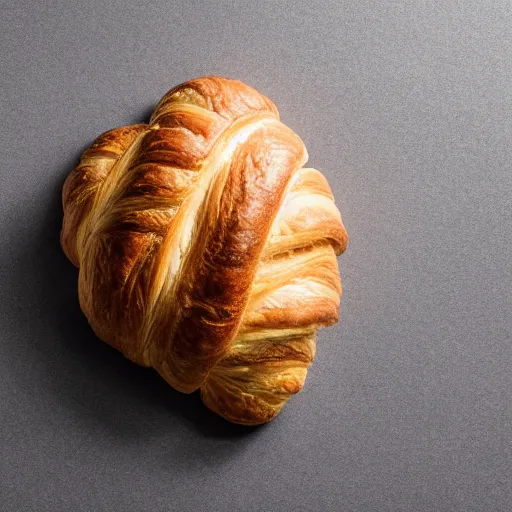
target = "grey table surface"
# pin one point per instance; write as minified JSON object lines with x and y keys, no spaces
{"x":406,"y":107}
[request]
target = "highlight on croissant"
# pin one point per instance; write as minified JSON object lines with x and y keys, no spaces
{"x":206,"y":249}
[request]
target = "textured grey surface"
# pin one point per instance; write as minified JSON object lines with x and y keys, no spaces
{"x":406,"y":106}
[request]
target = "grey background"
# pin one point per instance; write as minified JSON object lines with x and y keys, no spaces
{"x":406,"y":107}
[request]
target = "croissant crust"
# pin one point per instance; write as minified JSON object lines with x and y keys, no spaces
{"x":205,"y":249}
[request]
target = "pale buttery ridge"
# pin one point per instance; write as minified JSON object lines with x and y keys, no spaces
{"x":139,"y":209}
{"x":174,"y":249}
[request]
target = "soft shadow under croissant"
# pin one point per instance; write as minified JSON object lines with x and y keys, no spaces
{"x":205,"y":249}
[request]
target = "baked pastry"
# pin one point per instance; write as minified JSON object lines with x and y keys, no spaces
{"x":206,"y":250}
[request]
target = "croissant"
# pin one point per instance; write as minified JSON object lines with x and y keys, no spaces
{"x":205,"y":249}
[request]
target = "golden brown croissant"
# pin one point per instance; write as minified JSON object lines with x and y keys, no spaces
{"x":205,"y":249}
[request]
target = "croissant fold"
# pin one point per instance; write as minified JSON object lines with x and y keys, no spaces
{"x":205,"y":249}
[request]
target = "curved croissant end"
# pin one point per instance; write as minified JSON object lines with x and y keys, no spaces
{"x":205,"y":249}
